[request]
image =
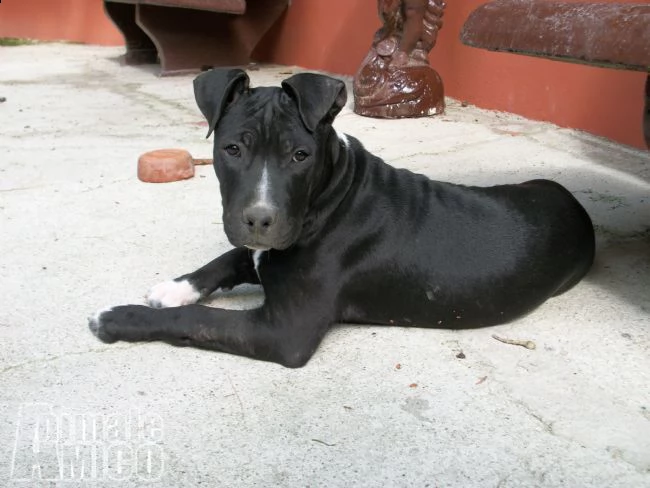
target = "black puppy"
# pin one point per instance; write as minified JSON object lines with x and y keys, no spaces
{"x":333,"y":234}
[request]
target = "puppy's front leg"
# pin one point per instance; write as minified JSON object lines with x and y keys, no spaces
{"x":256,"y":333}
{"x":228,"y":270}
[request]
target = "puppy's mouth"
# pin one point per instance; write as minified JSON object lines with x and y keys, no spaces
{"x":261,"y":243}
{"x":279,"y":239}
{"x":257,"y":248}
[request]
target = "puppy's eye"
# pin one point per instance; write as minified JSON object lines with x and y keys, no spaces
{"x":233,"y":150}
{"x":300,"y":156}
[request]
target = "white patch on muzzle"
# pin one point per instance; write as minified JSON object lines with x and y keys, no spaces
{"x":264,"y":190}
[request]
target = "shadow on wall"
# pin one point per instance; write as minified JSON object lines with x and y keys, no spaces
{"x":362,"y":40}
{"x":328,"y":35}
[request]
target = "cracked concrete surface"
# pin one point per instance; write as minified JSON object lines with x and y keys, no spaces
{"x":80,"y":232}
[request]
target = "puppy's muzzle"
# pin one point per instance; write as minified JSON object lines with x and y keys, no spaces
{"x":260,"y":219}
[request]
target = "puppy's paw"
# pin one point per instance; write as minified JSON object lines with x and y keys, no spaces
{"x":172,"y":294}
{"x":98,"y":325}
{"x":131,"y":323}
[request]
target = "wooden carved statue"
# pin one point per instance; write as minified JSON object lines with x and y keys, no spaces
{"x":395,"y":79}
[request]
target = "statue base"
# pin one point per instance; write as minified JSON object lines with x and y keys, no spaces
{"x":384,"y":90}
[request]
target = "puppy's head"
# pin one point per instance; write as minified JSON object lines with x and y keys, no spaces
{"x":270,"y":149}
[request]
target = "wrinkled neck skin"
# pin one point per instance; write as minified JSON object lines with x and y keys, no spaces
{"x":331,"y":184}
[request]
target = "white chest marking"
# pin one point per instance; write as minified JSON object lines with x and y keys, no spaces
{"x":257,"y":256}
{"x":343,"y":138}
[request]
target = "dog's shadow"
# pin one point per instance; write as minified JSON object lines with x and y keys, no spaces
{"x":616,"y":194}
{"x":622,"y":268}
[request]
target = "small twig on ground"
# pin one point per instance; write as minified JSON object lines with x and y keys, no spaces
{"x":202,"y":161}
{"x":515,"y":342}
{"x":21,"y":188}
{"x":323,"y":442}
{"x":241,"y":405}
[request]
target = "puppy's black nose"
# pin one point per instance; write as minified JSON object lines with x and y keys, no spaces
{"x":260,"y":218}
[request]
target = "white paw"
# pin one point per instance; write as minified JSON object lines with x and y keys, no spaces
{"x":96,"y":325}
{"x":172,"y":294}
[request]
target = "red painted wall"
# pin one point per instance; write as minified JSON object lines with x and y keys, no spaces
{"x":54,"y":20}
{"x":334,"y":35}
{"x":602,"y":101}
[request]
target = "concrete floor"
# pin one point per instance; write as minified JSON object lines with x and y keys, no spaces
{"x":375,"y":406}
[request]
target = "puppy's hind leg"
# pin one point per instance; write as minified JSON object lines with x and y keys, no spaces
{"x":228,"y":270}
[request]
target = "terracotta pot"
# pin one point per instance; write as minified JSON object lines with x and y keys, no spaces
{"x":165,"y":165}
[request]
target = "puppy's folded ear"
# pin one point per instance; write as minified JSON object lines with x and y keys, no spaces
{"x":320,"y":98}
{"x":214,"y":90}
